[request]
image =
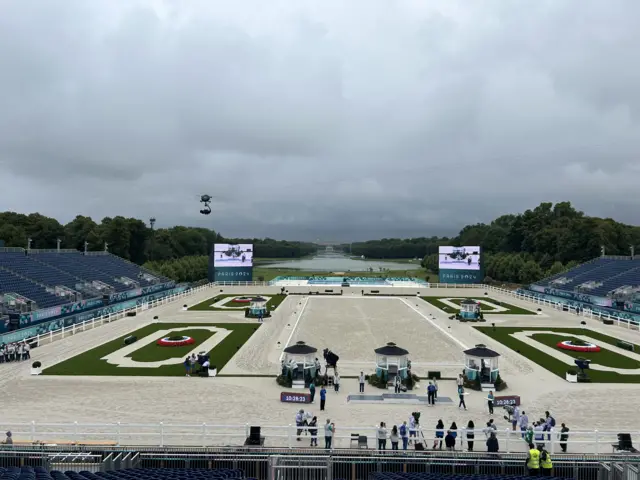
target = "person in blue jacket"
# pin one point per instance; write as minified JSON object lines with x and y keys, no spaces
{"x":323,"y":397}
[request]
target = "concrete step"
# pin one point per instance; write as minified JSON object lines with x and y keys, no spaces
{"x":488,"y":387}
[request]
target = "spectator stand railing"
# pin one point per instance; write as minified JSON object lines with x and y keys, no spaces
{"x":203,"y":435}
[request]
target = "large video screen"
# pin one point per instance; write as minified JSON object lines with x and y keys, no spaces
{"x":459,"y":258}
{"x":229,"y":255}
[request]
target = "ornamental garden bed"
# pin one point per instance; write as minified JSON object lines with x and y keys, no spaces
{"x":90,"y":362}
{"x":207,"y":305}
{"x":604,"y":357}
{"x":486,"y":309}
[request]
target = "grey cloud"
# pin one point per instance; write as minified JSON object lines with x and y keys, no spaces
{"x":328,"y":119}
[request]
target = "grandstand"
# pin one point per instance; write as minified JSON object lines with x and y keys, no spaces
{"x":603,"y":277}
{"x":46,"y":279}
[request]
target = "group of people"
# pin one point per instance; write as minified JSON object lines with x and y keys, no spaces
{"x":539,"y":431}
{"x":307,"y":423}
{"x":196,"y":365}
{"x":15,"y":352}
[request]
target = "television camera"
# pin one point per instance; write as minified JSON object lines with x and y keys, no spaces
{"x":206,"y":200}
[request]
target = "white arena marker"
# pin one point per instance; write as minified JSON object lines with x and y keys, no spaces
{"x":295,"y":325}
{"x":434,"y":324}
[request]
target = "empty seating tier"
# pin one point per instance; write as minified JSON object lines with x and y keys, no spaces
{"x":36,"y":275}
{"x":598,"y":277}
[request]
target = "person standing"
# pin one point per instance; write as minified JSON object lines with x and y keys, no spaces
{"x":187,"y":366}
{"x":450,"y":441}
{"x":397,"y":383}
{"x":312,"y":391}
{"x":336,"y":381}
{"x":524,"y":423}
{"x":412,"y":427}
{"x":329,"y":430}
{"x":515,"y":417}
{"x":323,"y":397}
{"x":299,"y":424}
{"x":492,"y":443}
{"x":470,"y":435}
{"x":549,"y":424}
{"x":490,"y":399}
{"x":435,"y":390}
{"x":394,"y":437}
{"x":564,"y":436}
{"x":546,"y":465}
{"x":382,"y":437}
{"x":533,"y":461}
{"x":404,"y":435}
{"x":461,"y":394}
{"x":439,"y":434}
{"x":361,"y":380}
{"x":431,"y":394}
{"x":313,"y":431}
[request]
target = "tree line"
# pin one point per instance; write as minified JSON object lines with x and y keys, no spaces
{"x":131,"y":238}
{"x":521,"y":248}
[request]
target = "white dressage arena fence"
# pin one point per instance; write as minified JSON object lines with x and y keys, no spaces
{"x":204,"y":435}
{"x":53,"y":335}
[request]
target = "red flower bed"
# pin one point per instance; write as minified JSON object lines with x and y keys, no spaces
{"x":566,"y":345}
{"x":166,"y":342}
{"x":241,"y":300}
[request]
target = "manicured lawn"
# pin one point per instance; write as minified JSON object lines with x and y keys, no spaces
{"x":272,"y":304}
{"x":155,"y":353}
{"x":90,"y":363}
{"x":555,"y":335}
{"x":511,"y":309}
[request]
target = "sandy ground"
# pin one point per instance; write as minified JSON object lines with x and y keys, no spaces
{"x":350,"y":326}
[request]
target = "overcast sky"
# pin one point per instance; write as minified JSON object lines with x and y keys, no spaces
{"x":339,"y":120}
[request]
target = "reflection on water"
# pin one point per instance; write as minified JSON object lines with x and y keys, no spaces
{"x":339,"y":263}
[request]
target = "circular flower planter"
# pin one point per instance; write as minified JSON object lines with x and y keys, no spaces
{"x":241,"y":300}
{"x":587,"y":347}
{"x":175,"y":341}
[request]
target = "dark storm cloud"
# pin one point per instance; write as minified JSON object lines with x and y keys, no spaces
{"x":311,"y":120}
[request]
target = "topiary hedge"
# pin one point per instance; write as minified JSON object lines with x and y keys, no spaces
{"x":625,"y":345}
{"x":130,"y":339}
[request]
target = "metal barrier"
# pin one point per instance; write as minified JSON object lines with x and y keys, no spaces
{"x":53,"y":335}
{"x":284,"y":436}
{"x":64,"y":461}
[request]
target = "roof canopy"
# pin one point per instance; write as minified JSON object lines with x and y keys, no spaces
{"x":391,"y":350}
{"x":468,"y":301}
{"x":300,"y":348}
{"x":481,"y":351}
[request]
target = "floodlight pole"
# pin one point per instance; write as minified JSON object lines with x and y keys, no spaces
{"x":152,"y":222}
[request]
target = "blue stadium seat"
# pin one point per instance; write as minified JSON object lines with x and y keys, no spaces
{"x":31,"y":275}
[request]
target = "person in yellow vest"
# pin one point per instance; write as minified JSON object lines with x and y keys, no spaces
{"x":545,"y":463}
{"x":533,"y":461}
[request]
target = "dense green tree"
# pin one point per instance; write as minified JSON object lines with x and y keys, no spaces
{"x":516,"y":248}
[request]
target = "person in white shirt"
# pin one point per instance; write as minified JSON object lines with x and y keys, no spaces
{"x":361,"y":380}
{"x":524,"y":422}
{"x":336,"y":382}
{"x":515,"y":417}
{"x":460,"y":380}
{"x":412,"y":428}
{"x":382,"y":437}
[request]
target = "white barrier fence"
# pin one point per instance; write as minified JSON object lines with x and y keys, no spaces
{"x":203,"y":435}
{"x":53,"y":335}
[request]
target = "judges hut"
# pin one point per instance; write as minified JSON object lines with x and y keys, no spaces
{"x":391,"y":360}
{"x":300,"y":360}
{"x":481,"y":363}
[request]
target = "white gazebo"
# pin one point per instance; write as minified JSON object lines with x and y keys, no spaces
{"x":481,"y":363}
{"x":391,"y":360}
{"x":300,"y":360}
